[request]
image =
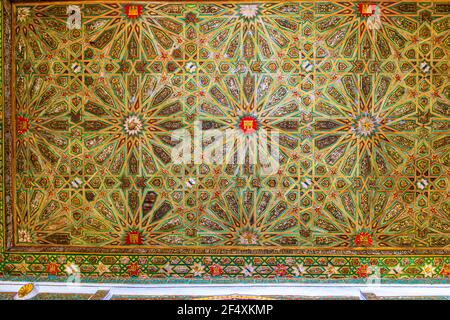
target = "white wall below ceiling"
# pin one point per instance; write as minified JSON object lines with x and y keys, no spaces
{"x":260,"y":289}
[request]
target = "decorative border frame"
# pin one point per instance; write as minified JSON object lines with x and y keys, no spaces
{"x":172,"y":265}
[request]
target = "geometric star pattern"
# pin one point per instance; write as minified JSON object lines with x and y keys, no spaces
{"x":362,"y":115}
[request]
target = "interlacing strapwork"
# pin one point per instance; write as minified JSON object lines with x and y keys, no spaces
{"x":359,"y":96}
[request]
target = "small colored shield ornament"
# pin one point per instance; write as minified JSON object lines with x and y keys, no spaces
{"x":366,"y":9}
{"x":134,"y":269}
{"x":133,"y":11}
{"x":133,"y":237}
{"x":216,"y":270}
{"x":363,"y":271}
{"x":23,"y":124}
{"x":446,"y":270}
{"x":363,"y":239}
{"x":248,"y":124}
